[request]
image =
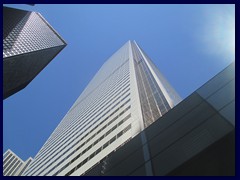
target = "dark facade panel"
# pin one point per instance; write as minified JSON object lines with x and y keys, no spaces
{"x":124,"y":152}
{"x":218,"y":81}
{"x":141,"y":171}
{"x":220,"y":158}
{"x":229,"y":112}
{"x":97,"y":170}
{"x":181,"y":127}
{"x":191,"y":144}
{"x":134,"y":161}
{"x":20,"y":70}
{"x":177,"y":112}
{"x":219,"y":99}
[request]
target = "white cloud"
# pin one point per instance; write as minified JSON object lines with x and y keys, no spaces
{"x":218,"y":33}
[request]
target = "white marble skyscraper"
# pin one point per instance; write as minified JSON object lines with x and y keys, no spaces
{"x":126,"y":95}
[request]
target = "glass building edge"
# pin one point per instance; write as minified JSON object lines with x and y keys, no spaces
{"x":172,"y":96}
{"x":137,"y":110}
{"x":155,"y":98}
{"x":54,"y":30}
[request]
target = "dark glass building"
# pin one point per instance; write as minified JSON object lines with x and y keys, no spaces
{"x":29,"y":44}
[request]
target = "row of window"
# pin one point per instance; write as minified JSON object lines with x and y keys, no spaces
{"x":85,"y":142}
{"x":88,"y":115}
{"x":106,"y":87}
{"x":6,"y":157}
{"x":93,"y":144}
{"x":98,"y":150}
{"x":63,"y":135}
{"x":18,"y":165}
{"x":10,"y":165}
{"x":72,"y":139}
{"x":97,"y":96}
{"x":8,"y":160}
{"x":67,"y":138}
{"x":26,"y":165}
{"x":106,"y":157}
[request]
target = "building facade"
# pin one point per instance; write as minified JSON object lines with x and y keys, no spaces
{"x":29,"y":44}
{"x":13,"y":165}
{"x":126,"y":95}
{"x":21,"y":170}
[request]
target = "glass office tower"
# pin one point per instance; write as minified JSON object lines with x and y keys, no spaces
{"x":126,"y":95}
{"x":29,"y":44}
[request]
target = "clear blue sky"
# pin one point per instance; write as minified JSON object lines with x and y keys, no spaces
{"x":188,"y":43}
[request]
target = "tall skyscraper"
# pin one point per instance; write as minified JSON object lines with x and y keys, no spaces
{"x":13,"y":165}
{"x":126,"y":95}
{"x":29,"y":44}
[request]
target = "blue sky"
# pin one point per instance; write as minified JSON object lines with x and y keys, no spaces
{"x":188,"y":43}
